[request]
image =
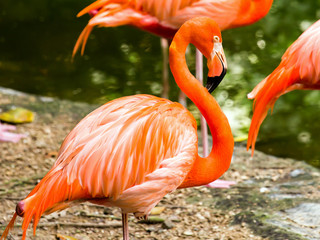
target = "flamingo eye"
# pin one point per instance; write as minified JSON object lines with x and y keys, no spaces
{"x":216,"y":39}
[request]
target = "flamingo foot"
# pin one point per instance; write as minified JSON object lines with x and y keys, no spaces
{"x":6,"y":136}
{"x":220,"y":184}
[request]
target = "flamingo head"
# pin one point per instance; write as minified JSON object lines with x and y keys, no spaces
{"x":206,"y":36}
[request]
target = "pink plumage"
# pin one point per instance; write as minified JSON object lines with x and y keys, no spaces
{"x":298,"y":69}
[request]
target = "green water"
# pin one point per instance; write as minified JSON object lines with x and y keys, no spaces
{"x":37,"y":38}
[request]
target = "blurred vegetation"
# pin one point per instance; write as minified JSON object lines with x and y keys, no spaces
{"x":37,"y":38}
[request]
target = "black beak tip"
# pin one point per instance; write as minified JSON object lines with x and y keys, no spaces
{"x":213,"y":82}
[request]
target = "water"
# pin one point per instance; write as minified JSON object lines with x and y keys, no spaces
{"x":37,"y":39}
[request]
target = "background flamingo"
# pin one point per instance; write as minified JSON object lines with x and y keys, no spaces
{"x":164,"y":17}
{"x":298,"y":69}
{"x":132,"y":151}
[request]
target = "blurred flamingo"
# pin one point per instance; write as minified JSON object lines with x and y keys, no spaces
{"x":298,"y":69}
{"x":6,"y":136}
{"x":132,"y":151}
{"x":164,"y":17}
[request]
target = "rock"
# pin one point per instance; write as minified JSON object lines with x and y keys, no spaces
{"x":175,"y":219}
{"x":264,"y":190}
{"x":296,"y":173}
{"x":303,"y":220}
{"x":200,"y":217}
{"x":167,"y":224}
{"x":151,"y":229}
{"x":188,"y":233}
{"x":306,"y":214}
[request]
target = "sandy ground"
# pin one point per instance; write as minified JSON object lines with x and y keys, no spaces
{"x":197,"y":213}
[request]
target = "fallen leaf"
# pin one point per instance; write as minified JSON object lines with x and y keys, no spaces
{"x":157,"y":210}
{"x":17,"y":115}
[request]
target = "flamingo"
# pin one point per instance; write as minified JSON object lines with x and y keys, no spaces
{"x":132,"y":151}
{"x":164,"y":17}
{"x":298,"y":69}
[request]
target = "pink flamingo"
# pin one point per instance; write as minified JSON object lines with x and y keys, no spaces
{"x":132,"y":151}
{"x":298,"y":69}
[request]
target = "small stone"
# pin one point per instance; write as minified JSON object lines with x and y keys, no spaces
{"x":188,"y":233}
{"x":264,"y":190}
{"x":151,"y":229}
{"x":167,"y":224}
{"x":175,"y":219}
{"x":296,"y":173}
{"x":198,"y":215}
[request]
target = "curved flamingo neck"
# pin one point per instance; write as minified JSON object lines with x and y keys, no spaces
{"x":205,"y":170}
{"x":252,"y":11}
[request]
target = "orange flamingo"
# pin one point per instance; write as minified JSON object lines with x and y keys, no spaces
{"x":132,"y":151}
{"x":298,"y":69}
{"x":164,"y":17}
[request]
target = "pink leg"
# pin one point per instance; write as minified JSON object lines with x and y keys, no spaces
{"x":220,"y":184}
{"x":125,"y":227}
{"x":165,"y":72}
{"x":203,"y":123}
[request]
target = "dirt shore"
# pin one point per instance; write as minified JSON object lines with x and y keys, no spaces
{"x":266,"y":188}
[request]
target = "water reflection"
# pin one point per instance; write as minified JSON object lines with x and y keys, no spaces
{"x":37,"y":39}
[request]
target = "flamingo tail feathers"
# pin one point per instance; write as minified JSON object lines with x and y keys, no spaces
{"x":265,"y":95}
{"x":106,"y":13}
{"x":9,"y":227}
{"x":53,"y":193}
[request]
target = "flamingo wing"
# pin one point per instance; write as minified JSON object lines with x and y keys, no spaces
{"x":224,"y":12}
{"x":128,"y":153}
{"x":120,"y":143}
{"x":144,"y":14}
{"x":298,"y":69}
{"x":163,"y":9}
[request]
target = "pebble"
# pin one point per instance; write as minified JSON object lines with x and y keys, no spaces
{"x":188,"y":233}
{"x":175,"y":218}
{"x":264,"y":190}
{"x":151,"y":229}
{"x":296,"y":173}
{"x":198,"y":215}
{"x":167,"y":224}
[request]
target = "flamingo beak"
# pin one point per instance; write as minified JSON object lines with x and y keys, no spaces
{"x":217,"y":66}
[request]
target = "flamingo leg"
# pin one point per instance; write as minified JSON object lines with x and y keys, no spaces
{"x":125,"y":226}
{"x":182,"y":96}
{"x":203,"y":123}
{"x":165,"y":71}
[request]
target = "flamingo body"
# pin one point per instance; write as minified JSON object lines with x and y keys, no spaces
{"x":128,"y":153}
{"x":132,"y":151}
{"x":298,"y":69}
{"x":164,"y":17}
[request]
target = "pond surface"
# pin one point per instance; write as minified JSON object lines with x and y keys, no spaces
{"x":37,"y":39}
